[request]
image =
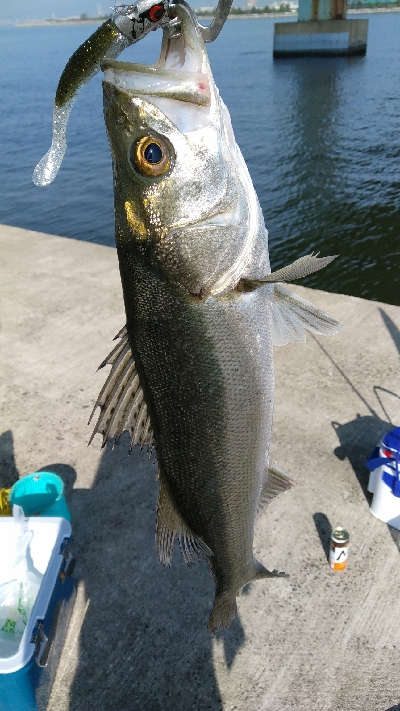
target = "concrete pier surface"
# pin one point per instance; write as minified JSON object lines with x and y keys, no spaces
{"x":319,"y":641}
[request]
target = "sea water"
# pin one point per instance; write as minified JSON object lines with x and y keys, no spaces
{"x":321,"y":138}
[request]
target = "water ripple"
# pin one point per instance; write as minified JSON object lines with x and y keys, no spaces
{"x":320,"y":136}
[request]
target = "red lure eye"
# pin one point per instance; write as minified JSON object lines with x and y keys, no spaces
{"x":156,"y":12}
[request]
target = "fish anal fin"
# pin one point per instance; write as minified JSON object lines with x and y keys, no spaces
{"x":275,"y":482}
{"x":171,"y":526}
{"x":292,"y":316}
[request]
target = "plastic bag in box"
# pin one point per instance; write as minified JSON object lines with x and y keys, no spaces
{"x":19,"y":585}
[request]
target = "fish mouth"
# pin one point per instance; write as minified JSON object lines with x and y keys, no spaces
{"x":181,"y":73}
{"x":233,"y":218}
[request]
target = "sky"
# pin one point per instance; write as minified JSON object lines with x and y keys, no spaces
{"x":42,"y":9}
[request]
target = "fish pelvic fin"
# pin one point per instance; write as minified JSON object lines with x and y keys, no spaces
{"x":275,"y":482}
{"x":225,"y":605}
{"x":292,"y":316}
{"x":121,"y":399}
{"x":171,"y":526}
{"x":302,"y":267}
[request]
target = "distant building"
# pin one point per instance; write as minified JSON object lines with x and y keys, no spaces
{"x":275,"y":6}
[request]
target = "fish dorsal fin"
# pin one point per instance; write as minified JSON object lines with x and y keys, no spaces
{"x":275,"y":482}
{"x":170,"y":525}
{"x":292,"y":316}
{"x":121,"y":400}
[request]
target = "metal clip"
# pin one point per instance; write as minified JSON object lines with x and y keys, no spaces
{"x":44,"y":644}
{"x":140,"y":14}
{"x":40,"y":640}
{"x":136,"y":21}
{"x":68,"y":563}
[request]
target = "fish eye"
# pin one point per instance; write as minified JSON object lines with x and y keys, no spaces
{"x":151,"y":156}
{"x":153,"y":153}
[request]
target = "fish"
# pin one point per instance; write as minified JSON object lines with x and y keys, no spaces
{"x":192,"y":370}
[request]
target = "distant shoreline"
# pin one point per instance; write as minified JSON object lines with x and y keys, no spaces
{"x":241,"y":16}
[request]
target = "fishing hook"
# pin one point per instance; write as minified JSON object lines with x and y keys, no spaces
{"x":211,"y":32}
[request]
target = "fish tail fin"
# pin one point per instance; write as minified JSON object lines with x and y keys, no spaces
{"x":225,"y":607}
{"x":223,"y":612}
{"x":262,"y":572}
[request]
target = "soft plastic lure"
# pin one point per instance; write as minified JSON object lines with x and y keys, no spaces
{"x":129,"y":24}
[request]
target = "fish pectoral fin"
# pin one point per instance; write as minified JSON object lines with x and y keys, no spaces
{"x":292,"y":316}
{"x":170,"y":525}
{"x":297,"y":270}
{"x":121,"y":400}
{"x":275,"y":482}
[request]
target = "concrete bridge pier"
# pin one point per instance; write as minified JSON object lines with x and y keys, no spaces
{"x":323,"y":30}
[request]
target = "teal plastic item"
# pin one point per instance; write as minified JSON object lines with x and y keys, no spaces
{"x":17,"y":693}
{"x":40,"y":494}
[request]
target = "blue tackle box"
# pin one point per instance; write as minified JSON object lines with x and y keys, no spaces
{"x":28,"y":668}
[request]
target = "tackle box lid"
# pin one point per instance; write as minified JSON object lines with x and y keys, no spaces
{"x":48,"y":546}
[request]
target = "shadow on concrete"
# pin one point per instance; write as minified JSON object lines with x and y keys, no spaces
{"x":144,"y":642}
{"x":394,"y":708}
{"x":233,"y":638}
{"x":324,"y":530}
{"x":8,"y":471}
{"x":358,"y":438}
{"x":393,"y":330}
{"x":378,"y":394}
{"x":357,"y":441}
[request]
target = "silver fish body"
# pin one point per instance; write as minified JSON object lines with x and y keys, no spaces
{"x":207,"y":374}
{"x":193,"y":371}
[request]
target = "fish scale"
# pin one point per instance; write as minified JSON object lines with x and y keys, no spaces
{"x":214,"y":464}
